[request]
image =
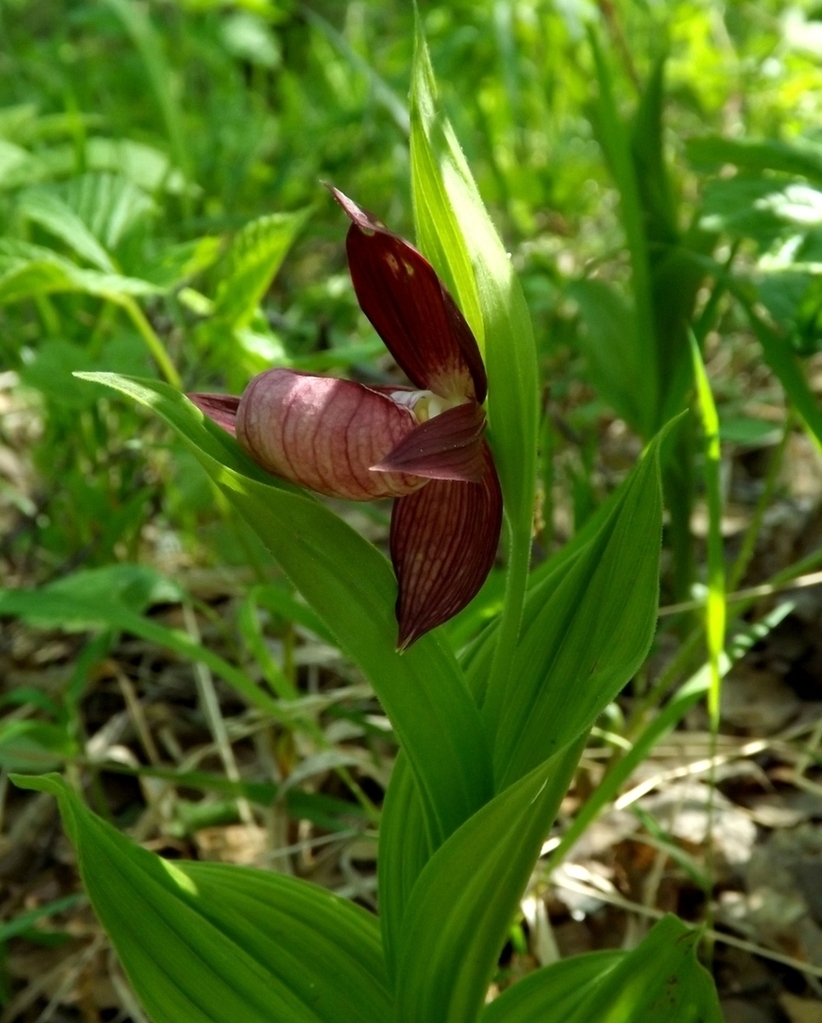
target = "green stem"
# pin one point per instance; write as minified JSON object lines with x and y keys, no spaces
{"x":740,"y":566}
{"x":153,"y":342}
{"x":515,"y":585}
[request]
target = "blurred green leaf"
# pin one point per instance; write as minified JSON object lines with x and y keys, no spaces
{"x":800,"y":156}
{"x":34,"y":746}
{"x":253,"y":259}
{"x":27,"y":271}
{"x":46,"y":208}
{"x":609,"y":344}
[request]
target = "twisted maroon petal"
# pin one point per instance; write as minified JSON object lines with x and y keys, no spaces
{"x":443,"y":543}
{"x":447,"y":447}
{"x":222,"y":408}
{"x":401,"y":294}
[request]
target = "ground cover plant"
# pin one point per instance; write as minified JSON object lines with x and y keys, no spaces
{"x":264,"y":702}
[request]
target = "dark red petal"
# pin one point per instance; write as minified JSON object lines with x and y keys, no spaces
{"x":401,"y":294}
{"x":443,"y":543}
{"x":447,"y":447}
{"x":222,"y":408}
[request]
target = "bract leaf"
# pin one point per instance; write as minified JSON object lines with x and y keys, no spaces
{"x":207,"y":943}
{"x":453,"y":226}
{"x":351,"y":587}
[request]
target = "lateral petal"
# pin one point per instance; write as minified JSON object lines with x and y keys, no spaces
{"x":222,"y":408}
{"x":324,"y":433}
{"x":400,"y":293}
{"x":447,"y":447}
{"x":443,"y":543}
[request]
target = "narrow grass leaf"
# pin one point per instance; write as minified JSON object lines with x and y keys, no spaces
{"x":715,"y":611}
{"x":206,"y":943}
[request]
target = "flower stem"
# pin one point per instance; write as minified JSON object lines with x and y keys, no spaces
{"x":518,"y":564}
{"x":153,"y":342}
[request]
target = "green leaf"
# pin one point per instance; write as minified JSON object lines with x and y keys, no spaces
{"x":254,"y":257}
{"x":668,"y":718}
{"x":660,"y":981}
{"x":349,"y":584}
{"x":800,"y":156}
{"x":610,"y":346}
{"x":461,"y":907}
{"x":27,"y":271}
{"x":45,"y":207}
{"x":404,"y":850}
{"x":614,"y":138}
{"x":787,"y":367}
{"x":108,"y":204}
{"x":33,"y":746}
{"x":206,"y":943}
{"x":589,"y":636}
{"x":554,"y":991}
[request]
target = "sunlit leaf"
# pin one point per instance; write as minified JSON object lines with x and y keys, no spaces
{"x":210,"y":942}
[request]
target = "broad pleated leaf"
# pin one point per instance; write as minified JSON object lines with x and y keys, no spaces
{"x":351,"y":587}
{"x":660,"y":981}
{"x":462,"y":905}
{"x":207,"y":943}
{"x":593,"y":631}
{"x":404,"y":851}
{"x":553,"y":992}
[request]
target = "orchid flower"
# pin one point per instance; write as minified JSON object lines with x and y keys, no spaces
{"x":422,"y":445}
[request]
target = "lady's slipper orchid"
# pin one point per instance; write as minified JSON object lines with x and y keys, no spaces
{"x":422,"y":445}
